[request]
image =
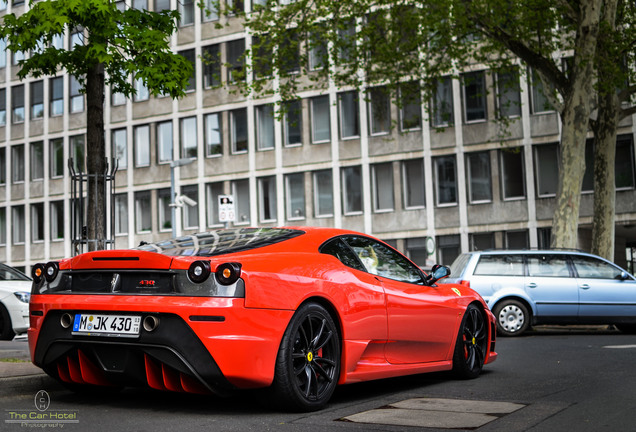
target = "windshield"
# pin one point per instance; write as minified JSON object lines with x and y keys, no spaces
{"x":221,"y":241}
{"x":459,"y":264}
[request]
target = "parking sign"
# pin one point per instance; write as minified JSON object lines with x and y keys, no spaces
{"x":226,"y":208}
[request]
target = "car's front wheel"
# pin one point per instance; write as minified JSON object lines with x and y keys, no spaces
{"x":308,"y":362}
{"x":471,"y":346}
{"x":512,"y":317}
{"x":6,"y":328}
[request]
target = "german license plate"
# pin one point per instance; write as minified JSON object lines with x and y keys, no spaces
{"x":106,"y":325}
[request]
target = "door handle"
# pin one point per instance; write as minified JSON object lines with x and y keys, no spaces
{"x":532,"y":285}
{"x":585,"y":286}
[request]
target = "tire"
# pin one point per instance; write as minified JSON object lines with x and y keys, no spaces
{"x":512,"y":316}
{"x":471,"y":346}
{"x":626,"y":328}
{"x":308,"y":362}
{"x":6,"y":328}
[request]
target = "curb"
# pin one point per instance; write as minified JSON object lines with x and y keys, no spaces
{"x":27,"y":384}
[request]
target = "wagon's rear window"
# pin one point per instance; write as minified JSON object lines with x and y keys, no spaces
{"x":222,"y":241}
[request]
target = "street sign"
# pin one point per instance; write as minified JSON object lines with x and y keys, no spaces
{"x":226,"y":208}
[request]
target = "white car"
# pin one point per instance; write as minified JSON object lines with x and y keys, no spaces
{"x":15,"y":292}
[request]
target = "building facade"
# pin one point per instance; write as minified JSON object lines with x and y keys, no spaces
{"x":438,"y":169}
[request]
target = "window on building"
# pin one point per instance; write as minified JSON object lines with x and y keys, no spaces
{"x":379,"y":105}
{"x":479,"y":181}
{"x":352,"y":190}
{"x":289,"y":63}
{"x":140,"y":5}
{"x":191,"y":213}
{"x":264,"y":126}
{"x":448,"y":248}
{"x":37,"y":99}
{"x":267,"y":198}
{"x":57,"y":220}
{"x":588,"y":176}
{"x":18,"y":224}
{"x":546,"y":165}
{"x":186,"y":11}
{"x":3,"y":107}
{"x":236,"y":60}
{"x":508,"y":93}
{"x":349,"y":115}
{"x":141,"y":91}
{"x":413,"y":181}
{"x":190,"y":57}
{"x":121,"y":213}
{"x":37,"y":222}
{"x":76,"y":37}
{"x":318,"y":50}
{"x":164,"y":141}
{"x":37,"y":160}
{"x":17,"y":163}
{"x":17,"y":103}
{"x":120,"y":148}
{"x":410,"y":106}
{"x":295,"y":196}
{"x":3,"y":53}
{"x":481,"y":241}
{"x":3,"y":165}
{"x":3,"y":226}
{"x":320,"y":119}
{"x":210,"y":10}
{"x":474,"y":88}
{"x":323,"y":193}
{"x":416,"y":250}
{"x":141,"y":136}
{"x":213,"y":190}
{"x":117,"y":98}
{"x":238,"y":119}
{"x":539,"y":102}
{"x":78,"y":152}
{"x":544,"y":237}
{"x":382,"y":177}
{"x":446,"y":180}
{"x":516,"y":239}
{"x":442,"y":103}
{"x":143,"y":213}
{"x":292,"y":123}
{"x":57,"y":157}
{"x":161,"y":5}
{"x":211,"y":66}
{"x":235,"y":6}
{"x":164,"y":209}
{"x":213,"y":135}
{"x":18,"y":56}
{"x":76,"y":96}
{"x":346,"y":42}
{"x":262,"y":56}
{"x":512,"y":173}
{"x":56,"y":90}
{"x":189,"y":137}
{"x":241,"y":193}
{"x":57,"y":41}
{"x":624,"y":166}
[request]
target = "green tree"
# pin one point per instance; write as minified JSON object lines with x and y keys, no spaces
{"x":370,"y":42}
{"x":116,"y":45}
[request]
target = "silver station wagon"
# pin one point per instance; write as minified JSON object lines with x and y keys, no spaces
{"x":525,"y":288}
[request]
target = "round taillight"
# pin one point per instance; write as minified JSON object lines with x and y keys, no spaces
{"x":199,"y":271}
{"x":37,"y":272}
{"x":228,"y":273}
{"x":50,"y":271}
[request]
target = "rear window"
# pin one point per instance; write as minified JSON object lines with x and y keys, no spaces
{"x":223,"y":241}
{"x":460,"y":263}
{"x":499,"y":265}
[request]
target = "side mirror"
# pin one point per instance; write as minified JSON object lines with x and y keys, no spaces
{"x":438,"y":272}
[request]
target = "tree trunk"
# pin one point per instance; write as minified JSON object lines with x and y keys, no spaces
{"x":575,"y":117}
{"x":95,"y":159}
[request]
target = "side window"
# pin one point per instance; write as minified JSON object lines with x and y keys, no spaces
{"x":383,"y":261}
{"x":337,"y":248}
{"x":589,"y":267}
{"x":548,"y":266}
{"x":499,"y":265}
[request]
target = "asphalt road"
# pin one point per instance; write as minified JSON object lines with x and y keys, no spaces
{"x":550,"y":380}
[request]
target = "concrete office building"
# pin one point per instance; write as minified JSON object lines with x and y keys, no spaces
{"x":338,"y":158}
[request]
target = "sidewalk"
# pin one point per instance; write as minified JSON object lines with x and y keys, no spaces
{"x":16,"y":370}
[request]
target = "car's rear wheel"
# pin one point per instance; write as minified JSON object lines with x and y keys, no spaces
{"x":512,"y":317}
{"x":308,"y":362}
{"x":471,"y":346}
{"x":6,"y":328}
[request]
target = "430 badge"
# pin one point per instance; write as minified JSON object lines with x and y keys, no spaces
{"x":107,"y":325}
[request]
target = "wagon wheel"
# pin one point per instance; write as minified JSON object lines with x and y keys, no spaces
{"x":471,"y":347}
{"x":308,"y":362}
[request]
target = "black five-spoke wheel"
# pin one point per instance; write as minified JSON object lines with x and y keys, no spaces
{"x":471,"y":347}
{"x":308,"y":363}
